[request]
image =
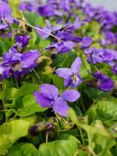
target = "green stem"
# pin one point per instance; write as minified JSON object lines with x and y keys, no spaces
{"x":36,"y":73}
{"x":39,"y":29}
{"x":81,"y":135}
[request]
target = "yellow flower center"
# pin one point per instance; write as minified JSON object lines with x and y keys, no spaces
{"x":74,"y":77}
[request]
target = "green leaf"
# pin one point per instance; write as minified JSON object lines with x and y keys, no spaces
{"x":45,"y":70}
{"x":11,"y":131}
{"x":92,"y":29}
{"x":95,"y":94}
{"x":83,"y":153}
{"x":29,"y":107}
{"x":106,"y":110}
{"x":5,"y":44}
{"x":26,"y":89}
{"x":99,"y":140}
{"x":15,"y":8}
{"x":24,"y":103}
{"x":68,"y":59}
{"x":73,"y":117}
{"x":33,"y":18}
{"x":58,"y":82}
{"x":43,"y":43}
{"x":59,"y":147}
{"x":23,"y":150}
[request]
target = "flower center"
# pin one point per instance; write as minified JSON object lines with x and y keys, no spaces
{"x":74,"y":77}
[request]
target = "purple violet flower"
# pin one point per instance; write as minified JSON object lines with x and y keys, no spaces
{"x":104,"y":83}
{"x":29,"y":6}
{"x":49,"y":97}
{"x":4,"y":72}
{"x":78,"y":23}
{"x":62,"y":47}
{"x":22,"y":41}
{"x":46,"y":11}
{"x":28,"y":60}
{"x":67,"y":36}
{"x":18,"y":64}
{"x":114,"y":69}
{"x":45,"y":33}
{"x":99,"y":55}
{"x":71,"y":75}
{"x":86,"y":42}
{"x":5,"y":12}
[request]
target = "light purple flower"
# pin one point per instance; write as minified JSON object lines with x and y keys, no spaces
{"x":28,"y":60}
{"x":49,"y":97}
{"x":5,"y":12}
{"x":44,"y":32}
{"x":4,"y":26}
{"x":71,"y":75}
{"x":78,"y":23}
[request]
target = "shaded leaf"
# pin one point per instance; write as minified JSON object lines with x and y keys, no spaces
{"x":23,"y":150}
{"x":29,"y":107}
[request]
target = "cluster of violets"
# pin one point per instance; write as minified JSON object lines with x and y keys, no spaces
{"x":16,"y":63}
{"x":107,"y":20}
{"x":6,"y":18}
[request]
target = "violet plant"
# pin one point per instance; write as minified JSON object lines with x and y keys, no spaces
{"x":58,"y":78}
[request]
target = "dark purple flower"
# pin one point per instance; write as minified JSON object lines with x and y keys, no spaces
{"x":108,"y":57}
{"x":92,"y":55}
{"x":4,"y":72}
{"x":18,"y":64}
{"x":62,"y":47}
{"x":29,"y":6}
{"x":71,"y":75}
{"x":114,"y":69}
{"x":46,"y":11}
{"x":12,"y":57}
{"x":110,"y":38}
{"x":68,"y":36}
{"x":22,"y":41}
{"x":86,"y":42}
{"x":49,"y":97}
{"x":99,"y":55}
{"x":103,"y":82}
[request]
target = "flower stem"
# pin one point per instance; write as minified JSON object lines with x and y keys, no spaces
{"x":39,"y":29}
